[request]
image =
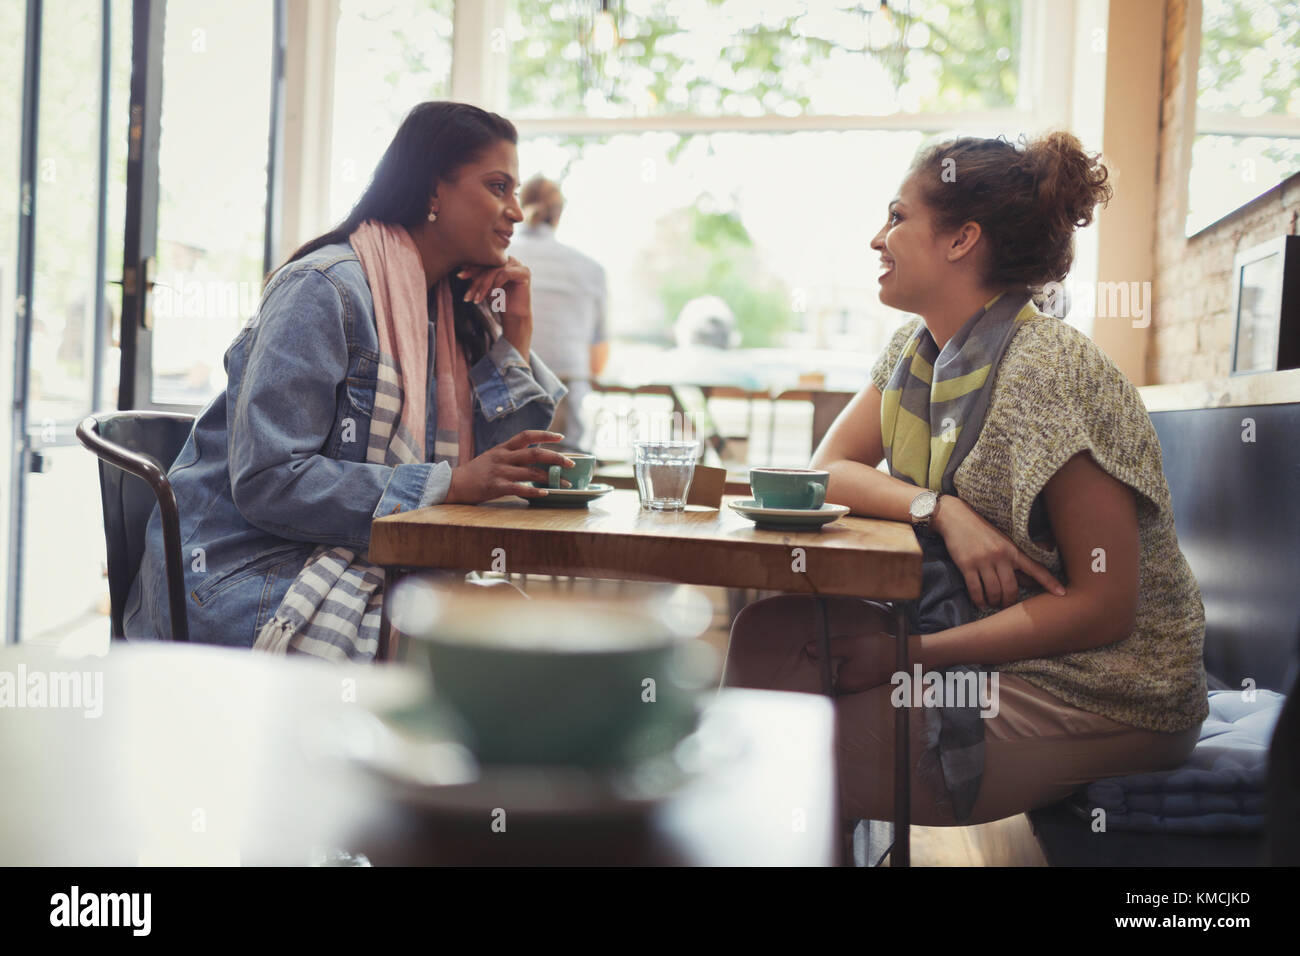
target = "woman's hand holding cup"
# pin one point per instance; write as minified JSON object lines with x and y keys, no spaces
{"x":507,"y":469}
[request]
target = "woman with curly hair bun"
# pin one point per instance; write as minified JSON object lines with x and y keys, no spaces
{"x":1059,"y":631}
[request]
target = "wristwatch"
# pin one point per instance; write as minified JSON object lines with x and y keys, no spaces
{"x":923,"y":509}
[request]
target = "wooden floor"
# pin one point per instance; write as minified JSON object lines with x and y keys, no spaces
{"x":1008,"y":842}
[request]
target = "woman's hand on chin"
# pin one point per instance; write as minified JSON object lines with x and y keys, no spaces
{"x":507,"y":292}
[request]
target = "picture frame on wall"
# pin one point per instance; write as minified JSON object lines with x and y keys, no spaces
{"x":1266,"y":307}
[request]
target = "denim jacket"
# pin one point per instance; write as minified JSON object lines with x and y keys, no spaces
{"x":276,"y":465}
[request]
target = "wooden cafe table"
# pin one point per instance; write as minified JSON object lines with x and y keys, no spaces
{"x":614,"y":538}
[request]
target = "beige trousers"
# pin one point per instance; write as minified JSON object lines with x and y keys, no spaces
{"x":1037,"y":749}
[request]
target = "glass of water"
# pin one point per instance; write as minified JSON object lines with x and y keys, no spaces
{"x":664,"y":470}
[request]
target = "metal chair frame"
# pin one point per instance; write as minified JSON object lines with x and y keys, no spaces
{"x":147,"y":468}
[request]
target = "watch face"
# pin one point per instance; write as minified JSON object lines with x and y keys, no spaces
{"x":923,"y":504}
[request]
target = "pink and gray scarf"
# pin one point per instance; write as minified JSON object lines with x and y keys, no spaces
{"x":332,"y":609}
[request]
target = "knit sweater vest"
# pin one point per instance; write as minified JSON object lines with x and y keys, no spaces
{"x":1056,"y":394}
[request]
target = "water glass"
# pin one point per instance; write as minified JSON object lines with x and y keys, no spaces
{"x":664,"y":470}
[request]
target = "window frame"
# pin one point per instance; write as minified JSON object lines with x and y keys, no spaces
{"x":480,"y":76}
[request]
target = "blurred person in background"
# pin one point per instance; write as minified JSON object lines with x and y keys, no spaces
{"x":569,"y":295}
{"x":706,"y":320}
{"x":706,"y":348}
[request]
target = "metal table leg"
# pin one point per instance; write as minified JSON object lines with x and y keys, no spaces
{"x":828,"y":688}
{"x":901,"y":855}
{"x":389,"y":646}
{"x":844,"y":842}
{"x":385,"y":625}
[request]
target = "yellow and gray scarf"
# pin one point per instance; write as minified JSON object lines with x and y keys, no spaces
{"x":931,"y":414}
{"x":934,"y":404}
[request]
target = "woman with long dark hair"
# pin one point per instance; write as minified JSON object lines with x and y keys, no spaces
{"x":387,"y":368}
{"x":1059,"y":630}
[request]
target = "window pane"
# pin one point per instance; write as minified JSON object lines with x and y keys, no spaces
{"x":1249,"y":70}
{"x":212,"y":189}
{"x":776,"y":225}
{"x":1229,"y":171}
{"x":390,"y":56}
{"x":115,"y":234}
{"x":1250,"y":57}
{"x":64,"y":588}
{"x":66,"y":186}
{"x":785,"y":57}
{"x":13,"y":20}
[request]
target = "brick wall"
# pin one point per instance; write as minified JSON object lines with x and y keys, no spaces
{"x":1192,"y":290}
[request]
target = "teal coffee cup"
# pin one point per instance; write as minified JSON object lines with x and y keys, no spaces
{"x":563,"y":682}
{"x":797,"y":488}
{"x":579,"y":476}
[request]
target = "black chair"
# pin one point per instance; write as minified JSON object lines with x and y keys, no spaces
{"x":1282,"y":799}
{"x":143,"y":444}
{"x":1236,"y":508}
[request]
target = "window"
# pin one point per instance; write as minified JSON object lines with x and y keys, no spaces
{"x":783,"y":58}
{"x":54,"y":541}
{"x":749,"y":150}
{"x":63,"y":327}
{"x":1247,"y":105}
{"x":777,"y":224}
{"x":390,"y":56}
{"x":212,"y":189}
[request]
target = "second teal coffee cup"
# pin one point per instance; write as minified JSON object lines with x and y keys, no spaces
{"x":797,"y":488}
{"x":579,"y":476}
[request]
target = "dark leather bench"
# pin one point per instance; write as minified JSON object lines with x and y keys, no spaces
{"x":1237,"y":510}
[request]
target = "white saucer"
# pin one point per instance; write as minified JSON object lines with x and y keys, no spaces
{"x":789,"y":517}
{"x":433,"y":773}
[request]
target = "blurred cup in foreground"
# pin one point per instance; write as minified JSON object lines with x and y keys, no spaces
{"x":593,"y":683}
